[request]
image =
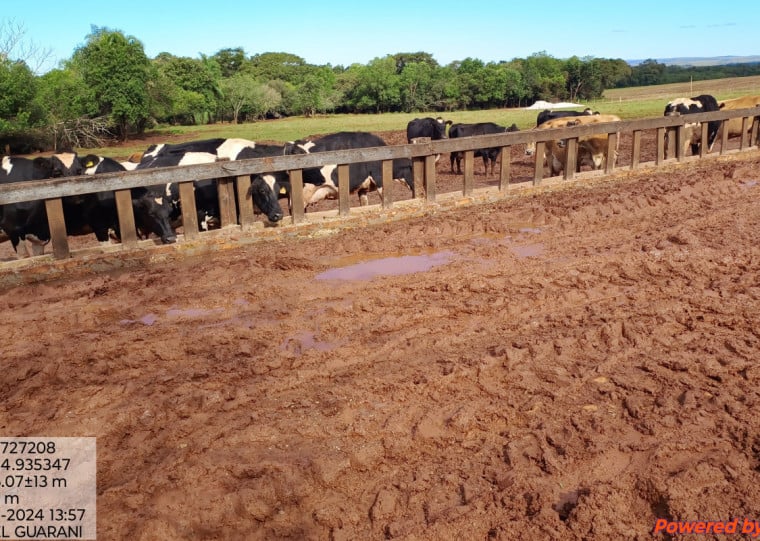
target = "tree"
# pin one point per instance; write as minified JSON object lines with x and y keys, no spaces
{"x":316,"y":92}
{"x":403,"y":59}
{"x":116,"y":69}
{"x":237,"y":93}
{"x":15,"y":46}
{"x":18,"y":113}
{"x":230,"y":61}
{"x":649,"y":72}
{"x":377,"y":87}
{"x":66,"y":101}
{"x":544,"y":77}
{"x":284,"y":66}
{"x":418,"y":86}
{"x":193,"y":84}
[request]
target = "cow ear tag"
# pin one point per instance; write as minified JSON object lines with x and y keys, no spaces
{"x":283,"y":191}
{"x":89,"y":163}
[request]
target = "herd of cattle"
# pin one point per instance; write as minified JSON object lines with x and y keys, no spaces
{"x":157,"y":208}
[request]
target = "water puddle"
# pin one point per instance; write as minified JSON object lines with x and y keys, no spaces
{"x":528,"y":250}
{"x":530,"y":230}
{"x":150,"y":319}
{"x":387,"y":266}
{"x":192,"y":312}
{"x":147,"y":319}
{"x":304,"y":340}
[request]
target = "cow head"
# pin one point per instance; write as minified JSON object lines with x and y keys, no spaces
{"x":266,"y":190}
{"x":153,"y":211}
{"x":440,"y":128}
{"x":402,"y":173}
{"x":66,"y":164}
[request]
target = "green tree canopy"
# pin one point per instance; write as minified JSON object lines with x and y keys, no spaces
{"x":116,"y":69}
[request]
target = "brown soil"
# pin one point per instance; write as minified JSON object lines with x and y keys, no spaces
{"x":574,"y":365}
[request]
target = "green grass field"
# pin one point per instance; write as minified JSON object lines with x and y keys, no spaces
{"x":628,"y":103}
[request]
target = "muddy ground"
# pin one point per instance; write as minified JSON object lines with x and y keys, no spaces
{"x":568,"y":365}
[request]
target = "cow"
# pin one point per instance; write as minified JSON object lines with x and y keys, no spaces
{"x":549,"y":114}
{"x":592,"y":149}
{"x":265,"y":189}
{"x":490,"y":155}
{"x":734,"y":125}
{"x":704,"y":103}
{"x":435,"y":128}
{"x":27,"y":220}
{"x":99,"y":209}
{"x":322,"y":183}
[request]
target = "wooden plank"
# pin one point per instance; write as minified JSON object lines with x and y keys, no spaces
{"x":538,"y":170}
{"x":636,"y":150}
{"x":296,"y":195}
{"x":418,"y":173}
{"x":469,"y":172}
{"x":571,"y":158}
{"x":703,"y":147}
{"x":57,"y":224}
{"x":388,"y":188}
{"x":755,"y":138}
{"x":611,"y":155}
{"x":430,"y":191}
{"x":343,"y":190}
{"x":505,"y":166}
{"x":225,"y":188}
{"x":246,"y":216}
{"x":660,"y":146}
{"x":744,"y":144}
{"x":189,"y":212}
{"x":127,"y":229}
{"x":724,"y":139}
{"x":680,"y":146}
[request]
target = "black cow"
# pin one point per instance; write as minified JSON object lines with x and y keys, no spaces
{"x":264,"y":190}
{"x":704,"y":103}
{"x":99,"y":210}
{"x":490,"y":155}
{"x":28,"y":220}
{"x":322,"y":183}
{"x":435,"y":128}
{"x":549,"y":114}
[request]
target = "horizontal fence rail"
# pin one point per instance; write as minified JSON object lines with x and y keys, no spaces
{"x":233,"y":177}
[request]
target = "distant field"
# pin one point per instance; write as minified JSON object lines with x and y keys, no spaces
{"x":628,"y":103}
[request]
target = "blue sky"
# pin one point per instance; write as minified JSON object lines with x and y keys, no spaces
{"x":343,"y":32}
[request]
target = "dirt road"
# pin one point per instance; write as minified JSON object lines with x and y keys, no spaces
{"x":569,"y":365}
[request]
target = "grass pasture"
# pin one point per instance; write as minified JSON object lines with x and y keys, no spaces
{"x":628,"y":103}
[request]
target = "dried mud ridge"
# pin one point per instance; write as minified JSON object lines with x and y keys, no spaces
{"x":576,"y":365}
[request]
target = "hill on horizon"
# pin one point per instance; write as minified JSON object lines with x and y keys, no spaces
{"x":701,"y":60}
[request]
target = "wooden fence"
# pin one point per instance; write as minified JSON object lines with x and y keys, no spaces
{"x":233,"y":177}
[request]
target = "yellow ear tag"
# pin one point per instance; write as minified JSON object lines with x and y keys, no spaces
{"x":89,"y":163}
{"x":283,"y":191}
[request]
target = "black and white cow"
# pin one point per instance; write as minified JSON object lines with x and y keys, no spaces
{"x":550,"y":114}
{"x":490,"y":155}
{"x":265,"y":188}
{"x":28,"y":220}
{"x":704,"y":103}
{"x":435,"y":128}
{"x":99,"y":209}
{"x":322,"y":183}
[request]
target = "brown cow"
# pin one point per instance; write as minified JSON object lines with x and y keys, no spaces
{"x":734,"y":125}
{"x":592,"y":149}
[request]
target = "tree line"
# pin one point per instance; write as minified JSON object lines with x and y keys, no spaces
{"x":109,"y":88}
